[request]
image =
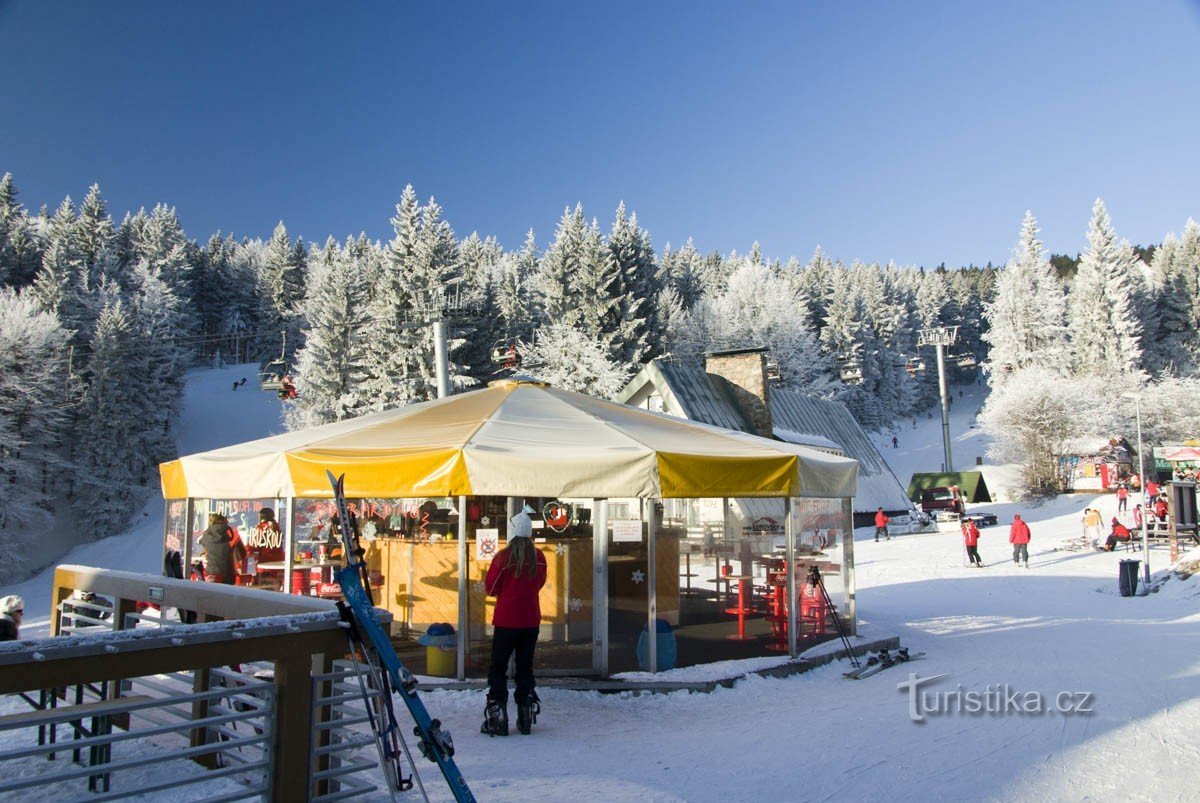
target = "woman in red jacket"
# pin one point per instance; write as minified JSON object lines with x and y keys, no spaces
{"x":514,"y":578}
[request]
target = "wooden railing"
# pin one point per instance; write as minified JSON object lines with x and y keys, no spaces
{"x":300,"y":637}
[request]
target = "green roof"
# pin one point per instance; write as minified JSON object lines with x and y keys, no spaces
{"x":971,"y":483}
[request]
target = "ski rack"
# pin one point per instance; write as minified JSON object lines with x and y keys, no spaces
{"x":358,"y":611}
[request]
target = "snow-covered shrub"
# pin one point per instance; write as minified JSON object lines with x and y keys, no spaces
{"x":568,"y":359}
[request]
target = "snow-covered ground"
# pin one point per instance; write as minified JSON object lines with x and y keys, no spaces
{"x":1058,"y":627}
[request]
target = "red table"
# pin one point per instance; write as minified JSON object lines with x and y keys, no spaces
{"x":743,"y":608}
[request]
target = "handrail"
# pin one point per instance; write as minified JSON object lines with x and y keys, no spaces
{"x":212,"y":600}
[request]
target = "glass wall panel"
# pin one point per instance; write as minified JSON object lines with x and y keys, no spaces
{"x":628,"y":589}
{"x":263,"y":564}
{"x":562,"y":533}
{"x":724,"y":562}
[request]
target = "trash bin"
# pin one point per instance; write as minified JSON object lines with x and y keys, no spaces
{"x":664,"y":647}
{"x":440,"y":646}
{"x":1128,"y":580}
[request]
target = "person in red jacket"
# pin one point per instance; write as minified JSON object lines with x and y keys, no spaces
{"x":970,"y":532}
{"x":1119,"y":533}
{"x":1018,"y":536}
{"x":881,"y":523}
{"x":1161,"y":508}
{"x":515,"y":576}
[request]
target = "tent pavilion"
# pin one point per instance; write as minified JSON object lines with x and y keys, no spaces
{"x":433,"y":486}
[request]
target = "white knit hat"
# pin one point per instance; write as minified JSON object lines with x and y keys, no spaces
{"x":11,"y":605}
{"x":520,"y":526}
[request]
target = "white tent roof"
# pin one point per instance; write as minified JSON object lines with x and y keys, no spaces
{"x":513,"y":438}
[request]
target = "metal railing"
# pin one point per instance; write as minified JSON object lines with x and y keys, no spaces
{"x":129,"y":703}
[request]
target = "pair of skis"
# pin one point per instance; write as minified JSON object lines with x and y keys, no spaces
{"x":367,"y":636}
{"x":884,"y":659}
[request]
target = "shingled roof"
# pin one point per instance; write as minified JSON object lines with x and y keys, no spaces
{"x":691,"y":392}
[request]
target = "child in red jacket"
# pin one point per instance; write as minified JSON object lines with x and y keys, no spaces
{"x":514,"y":578}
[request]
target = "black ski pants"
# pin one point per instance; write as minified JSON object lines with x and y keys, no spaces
{"x":1020,"y":553}
{"x":506,"y":641}
{"x":973,"y":555}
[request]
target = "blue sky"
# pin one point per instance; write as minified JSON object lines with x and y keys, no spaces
{"x":918,"y":132}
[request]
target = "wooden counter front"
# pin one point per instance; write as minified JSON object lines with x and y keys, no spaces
{"x":420,"y":586}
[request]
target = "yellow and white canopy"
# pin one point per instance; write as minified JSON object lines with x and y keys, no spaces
{"x":514,"y":438}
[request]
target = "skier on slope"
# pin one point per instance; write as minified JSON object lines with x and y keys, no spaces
{"x":1091,"y":525}
{"x":881,"y":525}
{"x":515,"y":576}
{"x":970,"y":532}
{"x":1018,"y":536}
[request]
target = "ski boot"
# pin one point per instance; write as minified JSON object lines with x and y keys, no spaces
{"x":495,"y":719}
{"x":527,"y":713}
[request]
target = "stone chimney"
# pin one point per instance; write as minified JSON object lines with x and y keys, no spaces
{"x":746,"y":371}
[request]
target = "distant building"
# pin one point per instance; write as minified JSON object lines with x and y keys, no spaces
{"x":1095,"y":464}
{"x":733,"y":391}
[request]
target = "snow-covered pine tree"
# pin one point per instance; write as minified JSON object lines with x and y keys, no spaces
{"x":638,"y":333}
{"x":157,"y":355}
{"x":847,"y":340}
{"x":968,"y":292}
{"x":32,"y":425}
{"x":282,"y":281}
{"x":213,"y":287}
{"x":481,"y":325}
{"x":570,"y":360}
{"x":1026,"y":317}
{"x":108,"y":468}
{"x":433,"y":279}
{"x":884,"y":373}
{"x":814,"y":284}
{"x":96,"y":235}
{"x":1105,"y":331}
{"x":390,"y":310}
{"x":1170,"y":345}
{"x":514,"y":297}
{"x":55,"y":286}
{"x":20,"y":250}
{"x":331,"y":366}
{"x":599,"y":289}
{"x":1187,"y":268}
{"x":683,"y":271}
{"x":758,"y":308}
{"x":556,"y":283}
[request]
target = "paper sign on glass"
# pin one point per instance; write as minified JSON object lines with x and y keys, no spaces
{"x":627,"y":530}
{"x":487,"y":544}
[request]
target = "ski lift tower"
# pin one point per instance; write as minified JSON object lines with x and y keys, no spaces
{"x":434,"y":308}
{"x":940,"y":337}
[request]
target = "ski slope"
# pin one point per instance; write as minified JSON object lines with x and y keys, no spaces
{"x":1059,"y":626}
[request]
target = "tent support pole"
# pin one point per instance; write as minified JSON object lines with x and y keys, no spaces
{"x":600,"y":587}
{"x":651,"y":585}
{"x":789,"y":531}
{"x":850,"y":613}
{"x":463,"y":623}
{"x":289,"y":544}
{"x":189,"y":513}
